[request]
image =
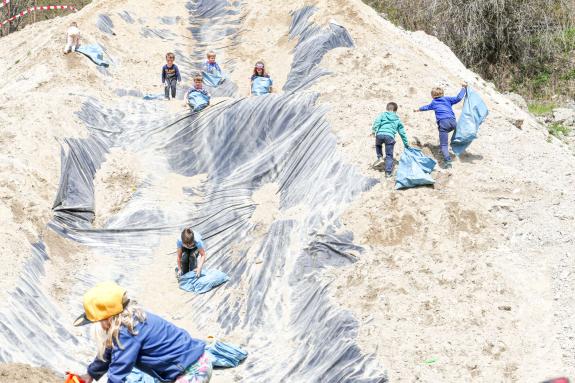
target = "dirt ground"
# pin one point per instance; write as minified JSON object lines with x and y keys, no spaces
{"x":473,"y":274}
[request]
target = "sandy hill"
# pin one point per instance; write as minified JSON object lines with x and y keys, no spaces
{"x":474,"y":274}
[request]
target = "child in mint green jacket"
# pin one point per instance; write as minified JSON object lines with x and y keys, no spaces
{"x":385,"y":127}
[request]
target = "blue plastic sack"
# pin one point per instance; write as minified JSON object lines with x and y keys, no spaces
{"x":261,"y":85}
{"x":225,"y":354}
{"x":137,"y":376}
{"x":159,"y":96}
{"x":94,"y":53}
{"x":414,"y":169}
{"x":474,"y":113}
{"x":198,"y":101}
{"x":207,"y":281}
{"x":213,"y":79}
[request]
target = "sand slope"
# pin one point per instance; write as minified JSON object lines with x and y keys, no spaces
{"x":475,"y":272}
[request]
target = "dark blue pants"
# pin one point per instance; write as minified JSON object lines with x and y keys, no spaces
{"x":445,"y":127}
{"x":389,"y":144}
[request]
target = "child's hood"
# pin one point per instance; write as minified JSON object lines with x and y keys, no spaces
{"x":390,"y":116}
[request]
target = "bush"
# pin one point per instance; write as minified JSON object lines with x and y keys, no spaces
{"x":541,"y":109}
{"x":523,"y":44}
{"x":558,"y":130}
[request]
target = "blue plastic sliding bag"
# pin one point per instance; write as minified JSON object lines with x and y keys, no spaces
{"x":137,"y":376}
{"x":208,"y":280}
{"x":94,"y":53}
{"x":474,"y":113}
{"x":198,"y":101}
{"x":261,"y":85}
{"x":213,"y":79}
{"x":414,"y":169}
{"x":225,"y":354}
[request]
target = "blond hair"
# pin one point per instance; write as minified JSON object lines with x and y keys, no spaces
{"x":128,"y":318}
{"x":210,"y":53}
{"x":437,"y":92}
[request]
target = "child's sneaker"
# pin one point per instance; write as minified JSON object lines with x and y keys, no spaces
{"x":447,"y":165}
{"x":388,"y":174}
{"x":378,"y":165}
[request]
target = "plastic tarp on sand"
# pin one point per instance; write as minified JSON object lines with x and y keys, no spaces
{"x":414,"y":169}
{"x":474,"y":113}
{"x":225,"y":355}
{"x":277,"y":296}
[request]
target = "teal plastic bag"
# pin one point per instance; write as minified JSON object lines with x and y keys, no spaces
{"x":225,"y":354}
{"x":213,"y":79}
{"x":94,"y":53}
{"x":474,"y":113}
{"x":198,"y":101}
{"x":209,"y":278}
{"x":414,"y":169}
{"x":261,"y":85}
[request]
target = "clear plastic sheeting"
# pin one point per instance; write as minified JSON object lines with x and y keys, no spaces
{"x":276,"y":294}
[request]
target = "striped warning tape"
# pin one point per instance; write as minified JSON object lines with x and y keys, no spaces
{"x":38,"y":8}
{"x":4,"y":2}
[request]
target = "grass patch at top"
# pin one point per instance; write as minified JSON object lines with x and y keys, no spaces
{"x":541,"y":109}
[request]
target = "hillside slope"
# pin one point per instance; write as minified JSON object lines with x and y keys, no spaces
{"x":475,"y":272}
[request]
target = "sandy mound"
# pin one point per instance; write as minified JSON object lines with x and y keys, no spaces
{"x":23,"y":373}
{"x":115,"y":183}
{"x":474,"y":273}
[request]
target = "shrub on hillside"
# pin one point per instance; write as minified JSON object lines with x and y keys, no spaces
{"x":524,"y":45}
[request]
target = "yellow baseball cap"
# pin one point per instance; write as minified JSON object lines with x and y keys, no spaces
{"x":102,"y":301}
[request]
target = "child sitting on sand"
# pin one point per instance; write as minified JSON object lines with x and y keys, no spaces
{"x":385,"y":127}
{"x":446,"y":123}
{"x":211,"y":66}
{"x":189,"y":246}
{"x":170,"y":75}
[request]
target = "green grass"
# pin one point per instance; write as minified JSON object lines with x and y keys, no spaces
{"x":558,"y":130}
{"x":541,"y":109}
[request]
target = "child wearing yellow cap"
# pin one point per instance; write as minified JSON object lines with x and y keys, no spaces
{"x":133,"y":337}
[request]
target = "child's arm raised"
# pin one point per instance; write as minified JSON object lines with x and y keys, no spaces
{"x":459,"y":97}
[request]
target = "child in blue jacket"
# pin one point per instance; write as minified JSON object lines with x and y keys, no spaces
{"x":132,"y":337}
{"x":385,"y":127}
{"x":446,"y":122}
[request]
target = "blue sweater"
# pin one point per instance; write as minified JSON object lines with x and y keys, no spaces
{"x":443,"y":106}
{"x":160,"y":349}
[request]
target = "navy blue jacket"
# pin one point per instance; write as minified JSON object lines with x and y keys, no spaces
{"x":442,"y":106}
{"x":170,"y":72}
{"x":160,"y":349}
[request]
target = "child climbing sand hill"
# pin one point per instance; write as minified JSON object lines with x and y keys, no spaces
{"x":72,"y":38}
{"x":385,"y":127}
{"x":446,"y":122}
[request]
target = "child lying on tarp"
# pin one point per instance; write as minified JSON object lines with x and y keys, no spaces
{"x":192,"y":276}
{"x":197,"y":97}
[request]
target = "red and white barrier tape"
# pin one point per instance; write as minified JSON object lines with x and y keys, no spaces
{"x":4,"y":2}
{"x":38,"y":8}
